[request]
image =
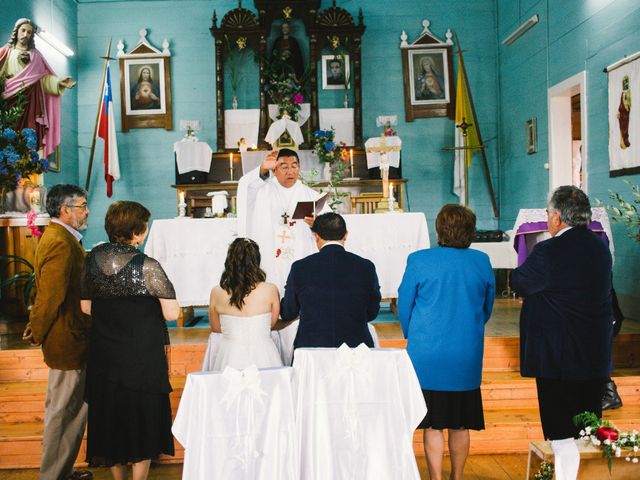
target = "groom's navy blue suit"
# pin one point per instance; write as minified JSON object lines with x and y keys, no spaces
{"x":336,"y":293}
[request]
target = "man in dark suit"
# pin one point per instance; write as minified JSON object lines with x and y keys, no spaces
{"x":566,"y":319}
{"x":336,"y":293}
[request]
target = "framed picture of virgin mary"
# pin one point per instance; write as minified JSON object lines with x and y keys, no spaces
{"x":145,"y":86}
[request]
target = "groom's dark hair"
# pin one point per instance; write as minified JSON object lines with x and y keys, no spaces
{"x":330,"y":226}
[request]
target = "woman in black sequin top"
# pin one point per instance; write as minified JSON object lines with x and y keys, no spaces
{"x":129,"y":298}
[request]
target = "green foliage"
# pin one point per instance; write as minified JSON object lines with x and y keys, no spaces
{"x":26,"y":278}
{"x":626,"y":212}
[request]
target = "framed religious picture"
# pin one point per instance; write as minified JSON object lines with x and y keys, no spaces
{"x":427,"y":72}
{"x":145,"y":86}
{"x":531,"y":133}
{"x":335,"y":72}
{"x":54,"y":160}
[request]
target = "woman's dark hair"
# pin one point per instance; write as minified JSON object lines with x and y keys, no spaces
{"x":241,"y":270}
{"x":455,"y":226}
{"x":125,"y":219}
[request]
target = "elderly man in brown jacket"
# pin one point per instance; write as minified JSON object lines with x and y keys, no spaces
{"x":57,"y":323}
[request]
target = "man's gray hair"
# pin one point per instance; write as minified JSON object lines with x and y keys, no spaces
{"x":60,"y":195}
{"x":572,"y":204}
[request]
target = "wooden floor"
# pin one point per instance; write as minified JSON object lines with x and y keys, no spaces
{"x":478,"y":467}
{"x":510,"y":401}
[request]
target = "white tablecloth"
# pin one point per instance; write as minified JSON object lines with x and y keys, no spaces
{"x":283,"y":340}
{"x":192,"y":156}
{"x":192,"y":251}
{"x":341,"y":120}
{"x":238,"y":425}
{"x":501,"y":254}
{"x":241,"y":124}
{"x":356,"y":411}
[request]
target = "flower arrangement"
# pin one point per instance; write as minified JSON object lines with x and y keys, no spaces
{"x":18,"y":148}
{"x":626,"y":212}
{"x":545,"y":472}
{"x":283,"y":87}
{"x":326,"y":148}
{"x":605,"y":434}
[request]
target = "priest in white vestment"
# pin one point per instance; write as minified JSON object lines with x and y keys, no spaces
{"x":267,"y":198}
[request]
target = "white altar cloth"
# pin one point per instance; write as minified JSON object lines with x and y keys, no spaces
{"x":192,"y":251}
{"x":241,"y":124}
{"x":356,"y":411}
{"x":282,"y":338}
{"x":192,"y":156}
{"x":238,"y":425}
{"x":501,"y":254}
{"x":341,"y":120}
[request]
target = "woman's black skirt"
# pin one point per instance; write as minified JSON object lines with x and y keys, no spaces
{"x":455,"y":410}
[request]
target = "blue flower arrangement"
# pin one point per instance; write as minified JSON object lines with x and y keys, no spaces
{"x":19,"y":157}
{"x":326,"y":148}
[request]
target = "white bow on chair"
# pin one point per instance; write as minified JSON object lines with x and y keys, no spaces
{"x":243,"y":387}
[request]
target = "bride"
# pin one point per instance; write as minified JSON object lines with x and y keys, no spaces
{"x":244,"y":308}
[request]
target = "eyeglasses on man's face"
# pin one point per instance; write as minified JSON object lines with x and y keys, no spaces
{"x":283,"y":167}
{"x":83,"y":206}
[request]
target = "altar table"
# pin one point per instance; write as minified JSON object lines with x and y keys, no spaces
{"x":192,"y":251}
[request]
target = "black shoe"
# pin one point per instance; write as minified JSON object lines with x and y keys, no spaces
{"x":81,"y":475}
{"x":611,"y":400}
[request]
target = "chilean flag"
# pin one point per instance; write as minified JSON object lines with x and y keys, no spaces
{"x":107,"y":132}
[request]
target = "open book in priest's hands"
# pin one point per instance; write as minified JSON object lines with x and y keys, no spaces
{"x":309,"y":208}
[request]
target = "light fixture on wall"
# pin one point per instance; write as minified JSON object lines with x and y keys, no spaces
{"x":521,"y":30}
{"x":54,"y":42}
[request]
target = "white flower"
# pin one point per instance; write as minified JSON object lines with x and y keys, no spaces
{"x":635,"y":448}
{"x":607,"y":441}
{"x":588,"y":430}
{"x":618,"y":452}
{"x":595,"y":441}
{"x":635,"y":460}
{"x":628,"y":459}
{"x":582,"y":433}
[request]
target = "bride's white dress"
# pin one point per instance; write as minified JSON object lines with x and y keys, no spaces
{"x":246,"y":341}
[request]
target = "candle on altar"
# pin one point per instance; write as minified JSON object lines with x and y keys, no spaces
{"x":391,"y":190}
{"x":182,"y":197}
{"x":351,"y":158}
{"x":231,"y":161}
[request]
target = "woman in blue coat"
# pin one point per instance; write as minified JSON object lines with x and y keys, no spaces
{"x":444,"y":301}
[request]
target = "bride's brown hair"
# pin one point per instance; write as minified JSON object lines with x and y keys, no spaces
{"x":241,"y":270}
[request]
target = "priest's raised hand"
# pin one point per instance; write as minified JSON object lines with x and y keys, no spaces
{"x":267,"y":198}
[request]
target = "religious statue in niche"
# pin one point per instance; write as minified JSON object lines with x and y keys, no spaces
{"x":287,"y":54}
{"x":624,"y":111}
{"x":27,"y":71}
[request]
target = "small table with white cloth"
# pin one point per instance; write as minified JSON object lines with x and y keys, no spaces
{"x":192,"y":251}
{"x":238,"y":425}
{"x":353,"y":412}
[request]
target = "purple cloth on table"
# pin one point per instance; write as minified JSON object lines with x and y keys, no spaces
{"x":520,"y":243}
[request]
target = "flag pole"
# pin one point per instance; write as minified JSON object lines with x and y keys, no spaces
{"x":95,"y":127}
{"x":485,"y":163}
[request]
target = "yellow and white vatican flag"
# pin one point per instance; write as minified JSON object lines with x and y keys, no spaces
{"x":464,"y":116}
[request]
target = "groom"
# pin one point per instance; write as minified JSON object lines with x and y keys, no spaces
{"x":335,"y":292}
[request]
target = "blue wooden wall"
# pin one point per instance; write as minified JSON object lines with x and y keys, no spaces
{"x":146,"y":157}
{"x":572,"y":36}
{"x":509,"y":85}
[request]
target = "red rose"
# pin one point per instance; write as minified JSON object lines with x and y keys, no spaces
{"x":606,"y":433}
